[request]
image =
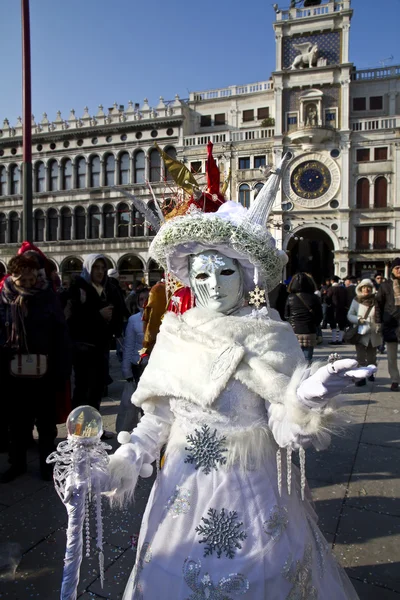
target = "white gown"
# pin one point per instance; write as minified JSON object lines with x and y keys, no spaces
{"x":214,"y":531}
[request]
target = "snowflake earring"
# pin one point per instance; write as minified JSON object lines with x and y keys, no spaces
{"x":257,"y":296}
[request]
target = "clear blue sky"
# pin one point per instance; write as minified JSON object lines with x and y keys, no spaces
{"x":91,"y":52}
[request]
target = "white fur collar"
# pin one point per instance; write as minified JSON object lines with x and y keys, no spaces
{"x":196,"y":354}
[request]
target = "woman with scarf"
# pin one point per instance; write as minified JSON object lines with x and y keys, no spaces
{"x":362,"y":313}
{"x":34,"y":361}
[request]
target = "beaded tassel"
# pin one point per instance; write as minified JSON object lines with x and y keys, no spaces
{"x":302,"y":456}
{"x":99,"y":541}
{"x":279,"y":470}
{"x":87,"y":526}
{"x":289,"y":469}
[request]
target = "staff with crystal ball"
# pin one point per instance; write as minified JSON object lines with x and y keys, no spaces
{"x":229,"y":393}
{"x":80,"y":467}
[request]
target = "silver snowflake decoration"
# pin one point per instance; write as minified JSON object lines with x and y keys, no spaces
{"x":277,"y":522}
{"x":300,"y":575}
{"x":221,"y":533}
{"x":179,"y":502}
{"x":257,"y":297}
{"x":205,"y":449}
{"x":211,"y":263}
{"x":234,"y":584}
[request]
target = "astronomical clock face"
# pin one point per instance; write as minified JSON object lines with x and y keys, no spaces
{"x":311,"y":180}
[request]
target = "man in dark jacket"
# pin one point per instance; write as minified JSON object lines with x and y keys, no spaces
{"x":387,"y":316}
{"x":94,"y":317}
{"x":336,"y":299}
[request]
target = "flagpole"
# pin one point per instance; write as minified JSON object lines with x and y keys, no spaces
{"x":27,"y":228}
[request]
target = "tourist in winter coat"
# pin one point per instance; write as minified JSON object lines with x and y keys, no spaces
{"x":362,"y":313}
{"x":337,"y":302}
{"x":33,"y":333}
{"x":388,"y":317}
{"x":93,"y":320}
{"x":304,"y":312}
{"x":133,"y":341}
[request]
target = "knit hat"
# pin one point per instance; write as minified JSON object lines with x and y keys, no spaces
{"x":395,"y":263}
{"x":113,"y":273}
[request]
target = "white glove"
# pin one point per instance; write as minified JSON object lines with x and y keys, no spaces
{"x":330,"y":380}
{"x":137,"y":452}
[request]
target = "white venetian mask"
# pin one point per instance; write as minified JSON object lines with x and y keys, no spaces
{"x":216,"y":281}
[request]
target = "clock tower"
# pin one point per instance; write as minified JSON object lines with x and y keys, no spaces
{"x":312,"y":94}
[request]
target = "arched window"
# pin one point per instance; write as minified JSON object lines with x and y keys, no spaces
{"x":53,"y":169}
{"x":14,"y":178}
{"x":110,"y":169}
{"x":67,"y":175}
{"x":155,"y":272}
{"x":81,"y":173}
{"x":244,"y":195}
{"x":380,"y":192}
{"x":94,"y":222}
{"x":38,"y":225}
{"x":123,"y":220}
{"x":139,"y":167}
{"x":40,"y":177}
{"x":109,"y":220}
{"x":138,"y":224}
{"x":52,"y":225}
{"x":95,"y":171}
{"x":80,"y":223}
{"x":124,"y":168}
{"x":131,"y":266}
{"x":14,"y":227}
{"x":363,"y":193}
{"x":70,"y":267}
{"x":66,"y":223}
{"x":155,"y":165}
{"x":257,"y":188}
{"x":3,"y":181}
{"x":3,"y":228}
{"x":172,"y":153}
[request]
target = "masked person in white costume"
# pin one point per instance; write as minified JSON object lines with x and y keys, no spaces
{"x":228,"y":390}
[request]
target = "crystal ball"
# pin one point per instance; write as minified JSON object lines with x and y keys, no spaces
{"x":84,"y":422}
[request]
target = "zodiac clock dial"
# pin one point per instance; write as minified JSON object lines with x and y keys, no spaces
{"x":310,"y":179}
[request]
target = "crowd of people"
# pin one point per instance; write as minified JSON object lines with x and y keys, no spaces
{"x":360,"y":311}
{"x":49,"y":331}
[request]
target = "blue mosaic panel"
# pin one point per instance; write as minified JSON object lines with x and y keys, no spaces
{"x":328,"y":47}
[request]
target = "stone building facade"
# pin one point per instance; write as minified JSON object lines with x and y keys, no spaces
{"x":338,"y":209}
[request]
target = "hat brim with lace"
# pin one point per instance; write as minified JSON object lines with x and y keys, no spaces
{"x":228,"y":231}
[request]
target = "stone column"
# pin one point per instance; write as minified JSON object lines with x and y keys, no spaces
{"x":278,"y":110}
{"x":101,"y":232}
{"x":102,"y":173}
{"x":371,"y":237}
{"x":146,"y":165}
{"x":345,"y":42}
{"x":72,"y":225}
{"x":46,"y":178}
{"x":345,"y":104}
{"x":371,"y":192}
{"x":278,"y":51}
